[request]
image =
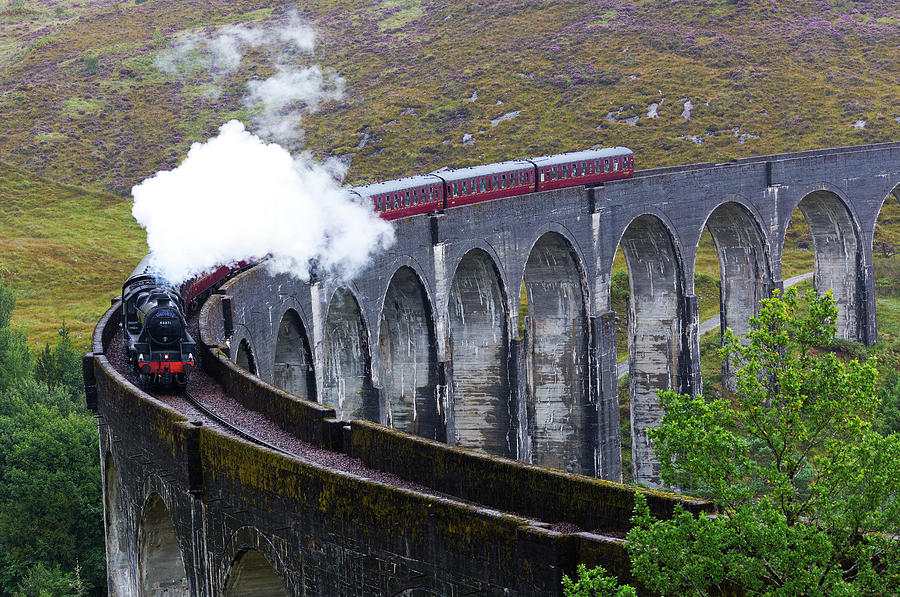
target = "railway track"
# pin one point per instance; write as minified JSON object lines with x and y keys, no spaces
{"x":233,"y":429}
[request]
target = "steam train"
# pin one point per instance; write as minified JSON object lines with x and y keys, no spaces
{"x":157,"y":342}
{"x":158,"y":345}
{"x":451,"y":188}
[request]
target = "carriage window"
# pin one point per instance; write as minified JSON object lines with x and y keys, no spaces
{"x":503,"y":181}
{"x":455,"y":189}
{"x":606,"y":165}
{"x":379,"y":203}
{"x":555,"y":172}
{"x":482,"y":185}
{"x":496,"y":184}
{"x":615,"y":165}
{"x":396,"y":201}
{"x":415,"y":196}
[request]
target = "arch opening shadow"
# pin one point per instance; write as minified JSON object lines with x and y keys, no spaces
{"x":251,"y":575}
{"x":293,"y":369}
{"x":162,"y":568}
{"x":837,"y":258}
{"x":654,"y":333}
{"x":408,"y":359}
{"x":244,"y":358}
{"x":561,"y":423}
{"x":743,"y":271}
{"x":479,"y":351}
{"x":348,"y":366}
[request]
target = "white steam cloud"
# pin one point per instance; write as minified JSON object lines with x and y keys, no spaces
{"x":278,"y":102}
{"x":237,"y":197}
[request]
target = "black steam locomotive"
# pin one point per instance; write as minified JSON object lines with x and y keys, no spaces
{"x":154,"y":316}
{"x":157,"y":342}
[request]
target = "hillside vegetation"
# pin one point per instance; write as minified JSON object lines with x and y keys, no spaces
{"x":84,"y":103}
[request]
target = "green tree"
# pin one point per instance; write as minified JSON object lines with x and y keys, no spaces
{"x":809,"y":493}
{"x":15,"y":358}
{"x":594,"y":583}
{"x":51,"y":517}
{"x":50,"y":509}
{"x":61,"y":367}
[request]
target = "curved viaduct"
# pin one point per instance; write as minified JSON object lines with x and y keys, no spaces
{"x":428,"y":341}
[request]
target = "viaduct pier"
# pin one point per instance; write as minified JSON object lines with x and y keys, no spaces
{"x":421,"y":369}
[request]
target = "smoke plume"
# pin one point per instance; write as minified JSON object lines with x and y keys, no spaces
{"x":239,"y":197}
{"x":277,"y":103}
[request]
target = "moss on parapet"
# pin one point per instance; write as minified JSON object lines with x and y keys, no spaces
{"x":508,"y":485}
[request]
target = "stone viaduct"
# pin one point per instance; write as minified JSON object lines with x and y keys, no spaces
{"x":429,"y":341}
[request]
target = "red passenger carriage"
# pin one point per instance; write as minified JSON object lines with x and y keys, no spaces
{"x":447,"y":188}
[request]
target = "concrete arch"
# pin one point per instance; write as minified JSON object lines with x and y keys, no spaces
{"x":655,"y":327}
{"x":891,"y":192}
{"x":464,"y":248}
{"x":237,"y":578}
{"x":399,"y":262}
{"x":348,"y":363}
{"x":570,"y":238}
{"x":293,"y":368}
{"x":161,"y":566}
{"x":560,"y":420}
{"x":479,"y":350}
{"x":244,"y":357}
{"x":743,"y":263}
{"x":119,"y":573}
{"x":409,"y":372}
{"x":838,"y":257}
{"x":251,"y":575}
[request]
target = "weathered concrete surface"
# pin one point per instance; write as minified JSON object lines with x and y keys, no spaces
{"x":293,"y":367}
{"x":555,"y":403}
{"x":348,"y":368}
{"x":479,"y":352}
{"x":560,"y":424}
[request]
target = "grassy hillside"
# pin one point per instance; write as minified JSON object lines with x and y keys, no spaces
{"x":83,"y":103}
{"x":65,"y":250}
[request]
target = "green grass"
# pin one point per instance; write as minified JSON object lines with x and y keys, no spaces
{"x":65,"y":251}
